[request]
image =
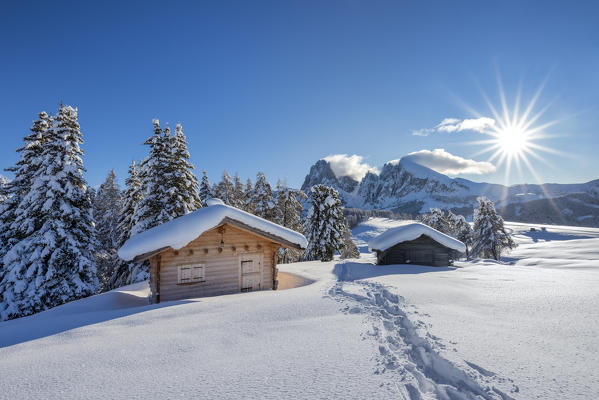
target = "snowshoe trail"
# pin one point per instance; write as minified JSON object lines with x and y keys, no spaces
{"x":418,"y":370}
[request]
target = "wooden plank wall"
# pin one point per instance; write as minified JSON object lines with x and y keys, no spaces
{"x":222,"y":268}
{"x":421,"y":251}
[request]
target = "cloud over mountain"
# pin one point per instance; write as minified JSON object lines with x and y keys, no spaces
{"x":352,"y":166}
{"x":458,"y":125}
{"x":447,"y":163}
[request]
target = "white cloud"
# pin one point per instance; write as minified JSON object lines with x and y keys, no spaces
{"x":458,"y":125}
{"x":352,"y":166}
{"x":447,"y":163}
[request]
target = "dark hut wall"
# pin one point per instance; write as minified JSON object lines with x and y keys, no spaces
{"x":421,"y":251}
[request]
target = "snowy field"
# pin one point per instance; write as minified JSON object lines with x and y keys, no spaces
{"x":525,"y":328}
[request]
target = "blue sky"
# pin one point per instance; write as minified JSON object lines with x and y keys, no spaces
{"x":275,"y":86}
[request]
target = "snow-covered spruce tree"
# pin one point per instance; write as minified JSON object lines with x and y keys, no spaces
{"x":14,"y":191}
{"x":106,"y":211}
{"x":238,"y":192}
{"x":225,"y":189}
{"x":53,"y":262}
{"x":183,"y":191}
{"x":436,"y":219}
{"x":289,"y":214}
{"x":324,"y":225}
{"x":489,"y":235}
{"x":205,"y":191}
{"x":461,"y":230}
{"x":150,"y":211}
{"x":261,"y":200}
{"x":349,"y":249}
{"x":247,"y":194}
{"x":130,"y":199}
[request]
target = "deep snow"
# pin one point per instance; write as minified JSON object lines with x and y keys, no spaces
{"x":525,"y":328}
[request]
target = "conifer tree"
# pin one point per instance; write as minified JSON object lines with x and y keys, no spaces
{"x":238,"y":192}
{"x":52,"y":262}
{"x":461,"y":230}
{"x":205,"y":192}
{"x":183,"y":192}
{"x":150,"y":211}
{"x":261,"y":200}
{"x":247,"y":194}
{"x":325,"y":224}
{"x":14,"y":191}
{"x":106,"y":211}
{"x":225,"y":190}
{"x":490,"y":236}
{"x":436,"y":219}
{"x":131,"y":198}
{"x":349,"y":249}
{"x":289,"y":211}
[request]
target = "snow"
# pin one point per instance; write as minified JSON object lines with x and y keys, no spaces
{"x":526,"y":327}
{"x":410,"y":230}
{"x":178,"y":232}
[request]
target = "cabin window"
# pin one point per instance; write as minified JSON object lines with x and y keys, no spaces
{"x":191,"y":273}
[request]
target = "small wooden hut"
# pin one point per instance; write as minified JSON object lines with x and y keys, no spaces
{"x":215,"y":250}
{"x":416,"y":243}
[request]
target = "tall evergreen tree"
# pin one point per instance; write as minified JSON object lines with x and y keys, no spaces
{"x":247,"y":194}
{"x":261,"y":200}
{"x":325,"y":224}
{"x":150,"y":211}
{"x":289,"y":211}
{"x":490,"y":236}
{"x":106,"y":211}
{"x":183,"y":192}
{"x":205,"y":191}
{"x":131,"y":198}
{"x":238,"y":192}
{"x":225,"y":190}
{"x":14,"y":191}
{"x":52,"y":263}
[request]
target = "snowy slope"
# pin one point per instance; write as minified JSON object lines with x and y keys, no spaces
{"x":525,"y":328}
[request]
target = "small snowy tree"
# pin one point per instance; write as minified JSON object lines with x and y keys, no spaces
{"x":289,"y":212}
{"x":52,"y":263}
{"x":225,"y":190}
{"x":205,"y":192}
{"x":461,"y":230}
{"x":490,"y":236}
{"x":261,"y":200}
{"x":106,"y":210}
{"x":325,"y":224}
{"x":349,"y":249}
{"x":131,"y":198}
{"x":436,"y":219}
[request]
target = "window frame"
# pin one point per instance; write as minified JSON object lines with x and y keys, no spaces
{"x":193,"y":277}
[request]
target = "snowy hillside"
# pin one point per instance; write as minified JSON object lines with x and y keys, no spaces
{"x":407,"y":187}
{"x":524,"y":328}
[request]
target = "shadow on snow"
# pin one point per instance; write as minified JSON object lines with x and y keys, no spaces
{"x":351,"y":271}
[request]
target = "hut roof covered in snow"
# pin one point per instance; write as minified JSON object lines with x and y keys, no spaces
{"x":412,"y":230}
{"x":179,"y":232}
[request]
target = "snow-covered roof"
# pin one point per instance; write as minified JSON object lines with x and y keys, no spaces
{"x":179,"y":232}
{"x":412,"y":230}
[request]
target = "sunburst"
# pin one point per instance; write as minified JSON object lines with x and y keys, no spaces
{"x":516,"y":136}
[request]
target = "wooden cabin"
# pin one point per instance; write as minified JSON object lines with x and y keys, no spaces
{"x":215,"y":250}
{"x":416,"y":243}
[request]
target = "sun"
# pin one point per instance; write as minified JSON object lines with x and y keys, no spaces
{"x":512,"y":140}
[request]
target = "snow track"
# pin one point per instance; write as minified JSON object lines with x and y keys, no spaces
{"x":418,"y":369}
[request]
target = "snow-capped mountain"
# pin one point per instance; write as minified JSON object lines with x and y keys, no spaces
{"x":406,"y":187}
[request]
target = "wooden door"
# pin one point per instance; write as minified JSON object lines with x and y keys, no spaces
{"x":250,"y":267}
